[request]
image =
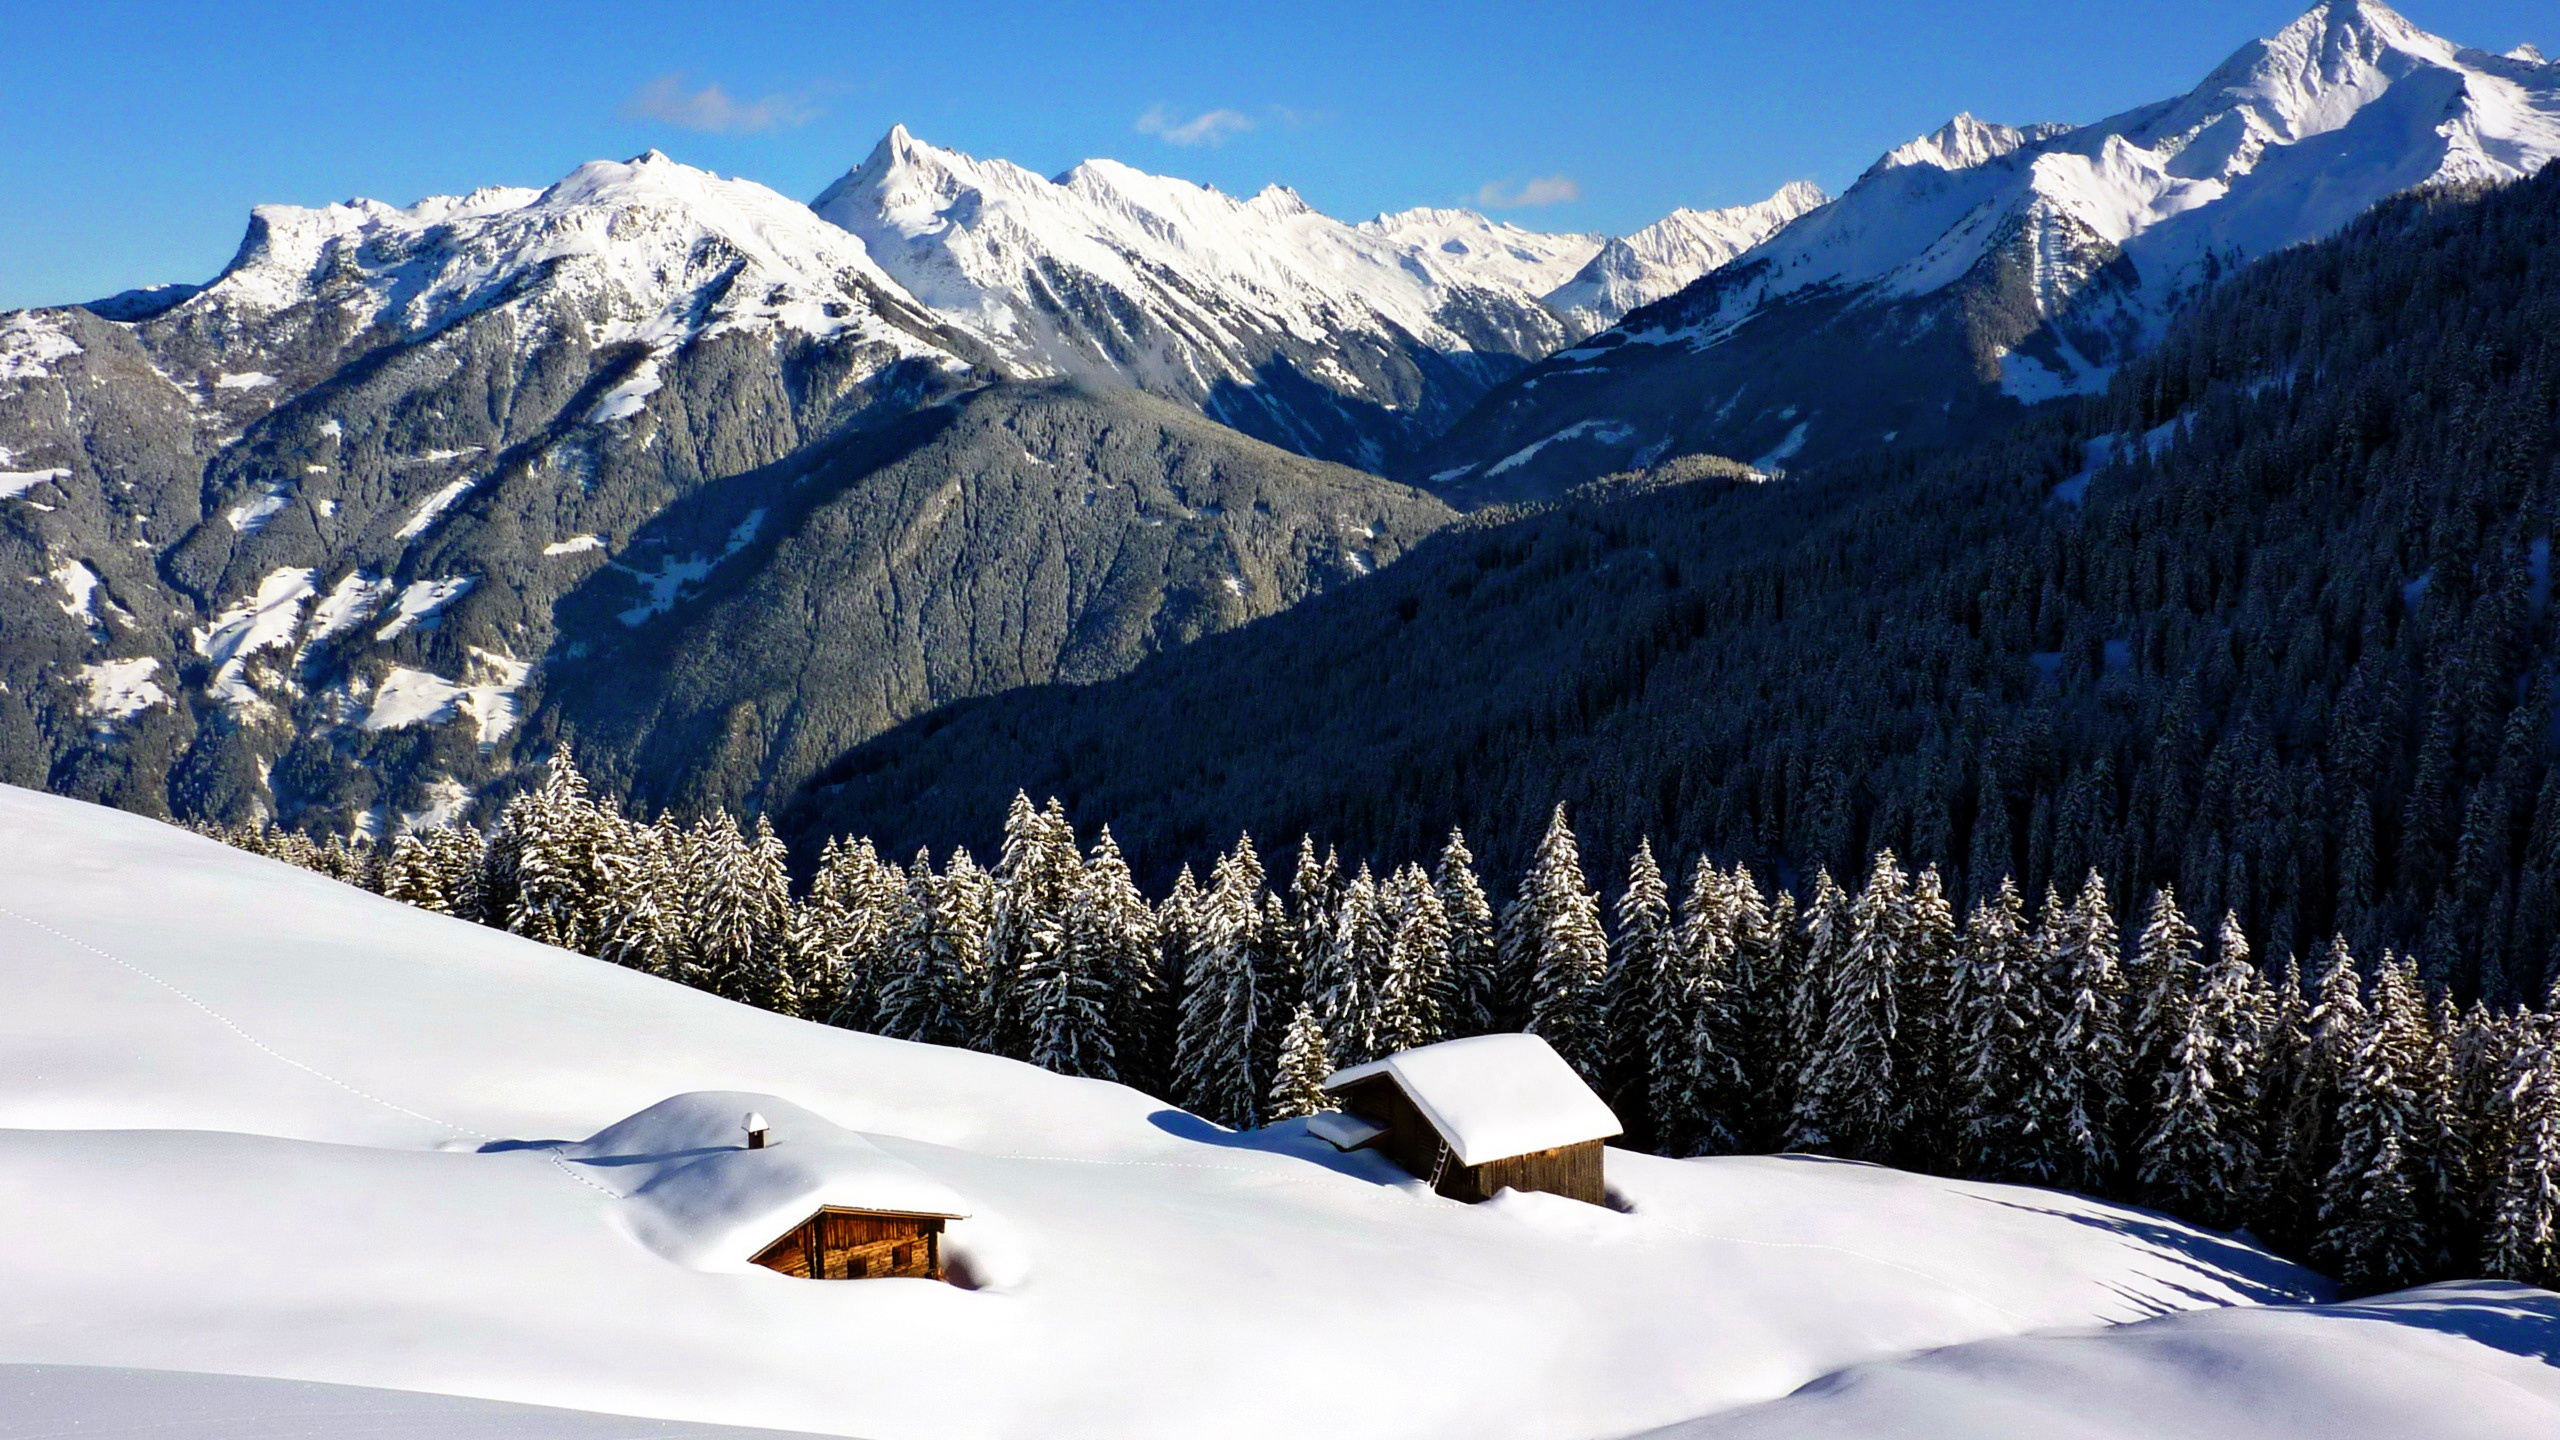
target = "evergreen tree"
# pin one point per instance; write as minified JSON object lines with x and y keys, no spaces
{"x":1297,"y":1084}
{"x":1471,"y":952}
{"x":1925,"y":1044}
{"x":1346,"y":977}
{"x":1698,"y":1051}
{"x":646,"y":924}
{"x":1067,"y":1004}
{"x":2523,"y":1202}
{"x":1552,"y":935}
{"x":1035,"y":880}
{"x":1422,"y":987}
{"x":2091,"y":1044}
{"x":2198,"y":1158}
{"x":1111,"y":932}
{"x":1849,"y":1099}
{"x":845,"y":930}
{"x":1222,"y":1021}
{"x":2160,"y":985}
{"x":1645,"y":994}
{"x":935,"y":987}
{"x":562,"y":848}
{"x":2373,"y":1225}
{"x":414,"y":878}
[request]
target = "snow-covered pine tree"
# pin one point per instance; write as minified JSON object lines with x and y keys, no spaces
{"x":1347,"y":975}
{"x":1924,"y":1044}
{"x":1066,"y":996}
{"x":1471,"y":953}
{"x":1644,"y":990}
{"x":646,"y":924}
{"x":562,"y":844}
{"x":1421,"y":992}
{"x":2521,"y":1204}
{"x":1765,"y":956}
{"x":413,"y":877}
{"x":1297,"y":1083}
{"x":2199,"y":1157}
{"x":1694,"y":1035}
{"x":2160,"y":982}
{"x":1849,"y":1099}
{"x":1112,"y":932}
{"x":847,"y":925}
{"x":1315,"y":893}
{"x":2091,"y":1043}
{"x":2373,"y":1223}
{"x":936,"y":983}
{"x":1822,"y":940}
{"x":1035,"y":880}
{"x":1218,"y":1037}
{"x":1177,"y":938}
{"x":1551,"y":933}
{"x":1988,"y":1016}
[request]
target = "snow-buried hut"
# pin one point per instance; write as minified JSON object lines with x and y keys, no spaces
{"x":816,"y":1201}
{"x":1476,"y":1116}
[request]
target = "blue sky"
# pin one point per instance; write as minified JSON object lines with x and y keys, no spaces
{"x":141,"y":131}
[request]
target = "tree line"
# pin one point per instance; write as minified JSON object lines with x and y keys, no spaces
{"x":2347,"y":1112}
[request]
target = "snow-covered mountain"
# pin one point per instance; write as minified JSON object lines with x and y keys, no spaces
{"x":1488,"y":249}
{"x":1334,"y":340}
{"x":1632,"y":271}
{"x":321,"y":531}
{"x":1987,"y":264}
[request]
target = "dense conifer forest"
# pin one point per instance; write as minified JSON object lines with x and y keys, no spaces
{"x":2344,"y":1112}
{"x":2267,"y":624}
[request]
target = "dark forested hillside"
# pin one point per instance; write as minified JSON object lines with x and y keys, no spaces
{"x":2270,"y":621}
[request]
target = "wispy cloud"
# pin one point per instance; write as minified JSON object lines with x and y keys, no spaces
{"x":1544,"y":190}
{"x":714,"y":109}
{"x":1209,"y":127}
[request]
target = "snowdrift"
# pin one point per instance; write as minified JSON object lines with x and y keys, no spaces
{"x":261,"y":1124}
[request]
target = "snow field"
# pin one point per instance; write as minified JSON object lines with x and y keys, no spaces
{"x":266,"y":1124}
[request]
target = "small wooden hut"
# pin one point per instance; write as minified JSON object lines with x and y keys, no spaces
{"x":841,"y":1243}
{"x":1476,"y":1116}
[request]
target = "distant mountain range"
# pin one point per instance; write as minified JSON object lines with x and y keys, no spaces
{"x":406,"y":496}
{"x":1985,"y":266}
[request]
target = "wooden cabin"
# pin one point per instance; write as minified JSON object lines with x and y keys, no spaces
{"x":1476,"y":1116}
{"x":841,"y":1243}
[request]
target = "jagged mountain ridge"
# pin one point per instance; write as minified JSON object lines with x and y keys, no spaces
{"x":1354,"y":343}
{"x":1986,"y":265}
{"x":1630,"y":272}
{"x":303,"y":541}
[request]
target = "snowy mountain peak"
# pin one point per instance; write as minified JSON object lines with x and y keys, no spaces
{"x":1669,"y":254}
{"x":1111,"y":272}
{"x":1962,"y":143}
{"x":1485,"y":249}
{"x":646,"y":249}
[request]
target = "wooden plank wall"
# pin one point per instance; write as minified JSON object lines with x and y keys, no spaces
{"x":858,"y":1245}
{"x":1573,"y":1171}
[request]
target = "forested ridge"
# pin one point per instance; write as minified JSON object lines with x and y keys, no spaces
{"x":2361,"y":1121}
{"x":2268,"y":622}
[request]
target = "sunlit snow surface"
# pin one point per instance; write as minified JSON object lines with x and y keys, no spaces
{"x":261,"y":1123}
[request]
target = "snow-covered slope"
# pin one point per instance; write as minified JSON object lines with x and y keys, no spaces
{"x":2479,"y":1360}
{"x":1337,"y":341}
{"x":1986,"y":263}
{"x":1635,"y":270}
{"x":258,"y":1123}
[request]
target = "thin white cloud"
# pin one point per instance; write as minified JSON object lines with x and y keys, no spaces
{"x":714,"y":109}
{"x":1209,"y":127}
{"x":1544,"y":190}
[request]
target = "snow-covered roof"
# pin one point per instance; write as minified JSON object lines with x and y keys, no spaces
{"x":699,"y":1197}
{"x":1343,"y":1132}
{"x":1494,"y":1096}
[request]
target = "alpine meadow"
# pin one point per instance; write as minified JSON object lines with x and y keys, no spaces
{"x":1073,"y":805}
